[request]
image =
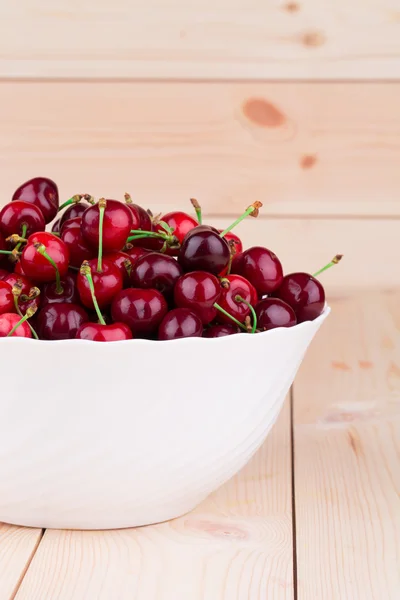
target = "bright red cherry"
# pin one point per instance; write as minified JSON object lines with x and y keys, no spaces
{"x":180,"y":223}
{"x":135,"y":252}
{"x":60,"y":321}
{"x":156,"y":271}
{"x":198,"y":291}
{"x":79,"y":249}
{"x":21,"y":218}
{"x":123,"y":262}
{"x":216,"y":331}
{"x":107,"y":284}
{"x":232,"y":237}
{"x":273,"y":312}
{"x":117,"y":225}
{"x":49,"y":294}
{"x":16,"y":279}
{"x":8,"y":321}
{"x":180,"y":323}
{"x":304,"y":294}
{"x":261,"y":267}
{"x":41,"y":192}
{"x":6,"y":298}
{"x":18,"y":269}
{"x":234,"y":286}
{"x":4,"y":273}
{"x":73,"y":211}
{"x":96,"y":332}
{"x":204,"y":250}
{"x":142,"y":310}
{"x":36,"y":265}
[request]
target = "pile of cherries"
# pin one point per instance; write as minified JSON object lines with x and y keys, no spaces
{"x":110,"y":270}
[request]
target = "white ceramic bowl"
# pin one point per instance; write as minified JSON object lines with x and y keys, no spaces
{"x":109,"y":435}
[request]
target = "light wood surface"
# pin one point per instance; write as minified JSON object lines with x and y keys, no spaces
{"x":17,"y":547}
{"x":303,"y":149}
{"x":221,"y":39}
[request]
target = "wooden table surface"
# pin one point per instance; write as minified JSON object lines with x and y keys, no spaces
{"x":314,"y":516}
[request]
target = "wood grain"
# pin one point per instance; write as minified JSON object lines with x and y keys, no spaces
{"x":346,"y":439}
{"x":215,"y":40}
{"x":17,"y":546}
{"x":236,"y":545}
{"x":303,"y":149}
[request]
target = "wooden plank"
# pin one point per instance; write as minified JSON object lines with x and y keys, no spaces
{"x":346,"y":440}
{"x":215,"y":40}
{"x":237,"y":544}
{"x":17,"y":547}
{"x":304,"y":149}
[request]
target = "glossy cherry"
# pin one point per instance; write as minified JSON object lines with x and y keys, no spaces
{"x":79,"y":249}
{"x":3,"y":273}
{"x":21,"y":218}
{"x":107,"y":284}
{"x":75,"y":210}
{"x":25,"y":286}
{"x":135,"y":252}
{"x":117,"y":224}
{"x":198,"y":291}
{"x":97,"y":332}
{"x":49,"y":294}
{"x":180,"y":323}
{"x":18,"y":269}
{"x":272,"y":313}
{"x":304,"y":294}
{"x":43,"y":193}
{"x":123,"y":262}
{"x":8,"y":321}
{"x":237,"y":242}
{"x":233,"y":286}
{"x":141,"y":218}
{"x":60,"y":321}
{"x":204,"y":250}
{"x":142,"y":310}
{"x":6,"y":298}
{"x":180,"y":224}
{"x":55,"y":228}
{"x":216,"y":331}
{"x":38,"y":267}
{"x":156,"y":271}
{"x":261,"y":267}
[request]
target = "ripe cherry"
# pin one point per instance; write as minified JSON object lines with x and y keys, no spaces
{"x":107,"y":284}
{"x":142,"y":310}
{"x":45,"y":257}
{"x":261,"y":267}
{"x":273,"y":312}
{"x":112,"y":231}
{"x":3,"y":273}
{"x":69,"y":293}
{"x":216,"y":331}
{"x":79,"y":249}
{"x":237,"y":242}
{"x":12,"y":325}
{"x":25,"y":299}
{"x":60,"y":321}
{"x":180,"y":323}
{"x":75,"y":210}
{"x":123,"y":262}
{"x":198,"y":291}
{"x":55,"y":228}
{"x":180,"y":224}
{"x":304,"y":294}
{"x":156,"y":271}
{"x":97,"y":332}
{"x":6,"y":298}
{"x":141,"y":218}
{"x":21,"y":218}
{"x":43,"y":193}
{"x":204,"y":250}
{"x":135,"y":252}
{"x":234,"y":286}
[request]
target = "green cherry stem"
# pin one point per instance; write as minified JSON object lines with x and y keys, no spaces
{"x":335,"y":260}
{"x":252,"y":210}
{"x":41,"y":248}
{"x":223,"y":311}
{"x":197,"y":208}
{"x":75,"y":199}
{"x":102,"y":207}
{"x":29,"y":313}
{"x":253,"y":312}
{"x":23,"y":235}
{"x":85,"y":270}
{"x":16,"y":291}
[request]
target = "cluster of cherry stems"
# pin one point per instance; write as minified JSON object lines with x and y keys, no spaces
{"x":110,"y":271}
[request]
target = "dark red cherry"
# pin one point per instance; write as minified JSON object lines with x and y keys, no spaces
{"x":26,"y":286}
{"x":76,"y":221}
{"x":180,"y":223}
{"x":135,"y":252}
{"x":107,"y":284}
{"x":75,"y":210}
{"x":4,"y":273}
{"x":261,"y":267}
{"x":69,"y":294}
{"x":142,"y":310}
{"x":304,"y":294}
{"x":18,"y":269}
{"x":120,"y":260}
{"x":204,"y":250}
{"x":156,"y":271}
{"x":236,"y":285}
{"x":116,"y":225}
{"x":232,"y":237}
{"x":6,"y":298}
{"x":8,"y":321}
{"x":180,"y":323}
{"x":216,"y":331}
{"x":198,"y":291}
{"x":21,"y":218}
{"x":79,"y":249}
{"x":56,"y":226}
{"x":273,"y":312}
{"x":60,"y":321}
{"x":43,"y":193}
{"x":141,"y":218}
{"x":96,"y":332}
{"x":36,"y":266}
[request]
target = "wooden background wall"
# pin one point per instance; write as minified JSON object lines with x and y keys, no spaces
{"x":295,"y":103}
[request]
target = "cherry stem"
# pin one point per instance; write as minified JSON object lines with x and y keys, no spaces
{"x":102,"y":208}
{"x":142,"y":234}
{"x":86,"y":271}
{"x":253,"y":312}
{"x":75,"y":199}
{"x":252,"y":210}
{"x":41,"y":248}
{"x":335,"y":260}
{"x":197,"y":208}
{"x":29,"y":313}
{"x":23,"y":235}
{"x":16,"y":290}
{"x":223,"y":311}
{"x":7,"y":252}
